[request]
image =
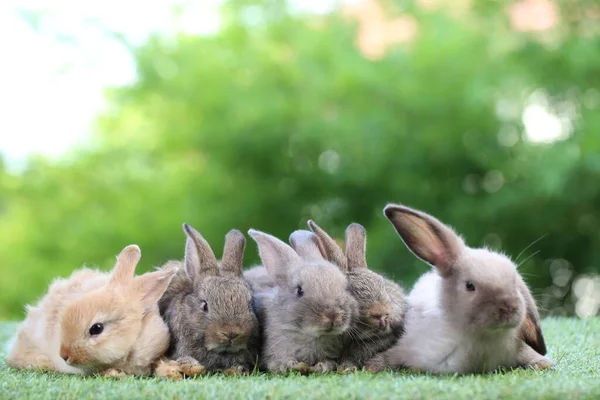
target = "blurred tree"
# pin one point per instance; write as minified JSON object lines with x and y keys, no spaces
{"x":281,"y":117}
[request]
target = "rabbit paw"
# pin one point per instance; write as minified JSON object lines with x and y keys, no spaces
{"x":347,"y":368}
{"x":168,"y":369}
{"x":113,"y":373}
{"x":376,"y":364}
{"x":237,"y":370}
{"x":323,"y":367}
{"x":374,"y":367}
{"x":299,"y":367}
{"x":542,"y":363}
{"x":191,"y":367}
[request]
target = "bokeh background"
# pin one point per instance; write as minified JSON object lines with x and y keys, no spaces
{"x":121,"y":120}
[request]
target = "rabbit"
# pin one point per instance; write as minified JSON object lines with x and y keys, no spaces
{"x":310,"y":308}
{"x":97,"y":322}
{"x":381,"y":302}
{"x":473,"y":314}
{"x":209,"y":308}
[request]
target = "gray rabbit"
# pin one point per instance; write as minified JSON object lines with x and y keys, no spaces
{"x":381,"y":302}
{"x":306,"y":306}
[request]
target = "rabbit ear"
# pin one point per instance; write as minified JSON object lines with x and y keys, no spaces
{"x":233,"y":254}
{"x":306,"y":245}
{"x":150,"y":287}
{"x":275,"y":254}
{"x":428,"y":238}
{"x":356,"y":246}
{"x":124,"y":269}
{"x":199,"y":257}
{"x":329,"y":248}
{"x":531,"y":329}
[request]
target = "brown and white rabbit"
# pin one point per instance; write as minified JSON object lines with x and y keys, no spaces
{"x":209,"y":309}
{"x":473,"y":314}
{"x":309,"y":309}
{"x":96,"y":322}
{"x":381,"y":302}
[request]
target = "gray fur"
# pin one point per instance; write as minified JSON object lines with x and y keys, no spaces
{"x":301,"y":331}
{"x":375,"y":294}
{"x":201,"y":334}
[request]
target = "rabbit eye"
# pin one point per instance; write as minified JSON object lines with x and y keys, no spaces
{"x":470,"y":287}
{"x":96,"y":329}
{"x":204,"y":306}
{"x":299,"y":291}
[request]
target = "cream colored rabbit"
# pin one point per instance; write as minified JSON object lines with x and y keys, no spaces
{"x":96,"y":322}
{"x":473,"y":314}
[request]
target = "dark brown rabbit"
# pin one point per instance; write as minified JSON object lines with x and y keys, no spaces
{"x":209,"y":309}
{"x":381,"y":302}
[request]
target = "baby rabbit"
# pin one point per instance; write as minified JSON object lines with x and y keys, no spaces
{"x":209,"y":309}
{"x":96,"y":322}
{"x":381,"y":302}
{"x":473,"y":314}
{"x":310,"y":308}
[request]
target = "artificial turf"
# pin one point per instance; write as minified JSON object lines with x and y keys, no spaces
{"x":573,"y":344}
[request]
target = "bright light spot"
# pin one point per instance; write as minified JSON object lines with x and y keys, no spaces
{"x":51,"y":89}
{"x":586,"y":289}
{"x":541,"y":126}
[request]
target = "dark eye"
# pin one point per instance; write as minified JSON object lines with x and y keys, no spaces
{"x":470,"y":287}
{"x":299,"y":291}
{"x":204,"y":306}
{"x":96,"y":329}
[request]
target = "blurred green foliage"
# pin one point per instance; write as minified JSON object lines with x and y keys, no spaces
{"x":278,"y":118}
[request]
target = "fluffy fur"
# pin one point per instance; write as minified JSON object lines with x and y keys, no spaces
{"x":209,"y":309}
{"x":307,"y":307}
{"x":55,"y":336}
{"x":381,"y":302}
{"x":472,"y":314}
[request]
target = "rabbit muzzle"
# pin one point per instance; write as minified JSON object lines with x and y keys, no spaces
{"x":505,"y":314}
{"x":228,"y":340}
{"x":65,"y":353}
{"x":332,"y":321}
{"x":378,"y":317}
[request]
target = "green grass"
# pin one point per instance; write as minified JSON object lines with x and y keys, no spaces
{"x":574,"y":346}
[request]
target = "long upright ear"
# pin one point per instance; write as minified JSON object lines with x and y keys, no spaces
{"x":306,"y":245}
{"x":356,"y":246}
{"x":150,"y":287}
{"x":275,"y":254}
{"x":127,"y":260}
{"x":428,"y":238}
{"x":329,"y":248}
{"x":531,"y":328}
{"x":232,"y":263}
{"x":199,"y":257}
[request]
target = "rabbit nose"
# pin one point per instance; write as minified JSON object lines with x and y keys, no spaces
{"x":65,"y":352}
{"x":331,"y":315}
{"x":231,"y":335}
{"x":381,"y":318}
{"x":506,"y":309}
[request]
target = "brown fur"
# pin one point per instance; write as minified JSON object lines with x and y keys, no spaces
{"x":209,"y":309}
